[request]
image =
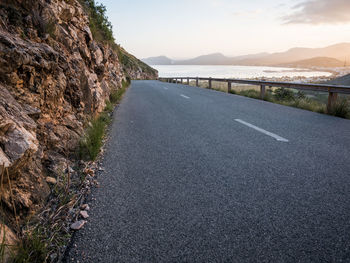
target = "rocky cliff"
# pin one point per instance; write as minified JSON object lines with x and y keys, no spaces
{"x":53,"y":78}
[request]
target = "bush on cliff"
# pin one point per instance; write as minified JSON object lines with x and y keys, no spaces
{"x":100,"y":27}
{"x":102,"y":31}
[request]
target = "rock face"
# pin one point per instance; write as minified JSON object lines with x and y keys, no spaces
{"x":53,"y":78}
{"x":8,"y":245}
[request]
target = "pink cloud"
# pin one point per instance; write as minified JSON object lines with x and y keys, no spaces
{"x":320,"y":12}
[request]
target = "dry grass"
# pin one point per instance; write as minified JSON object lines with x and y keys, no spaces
{"x":285,"y":97}
{"x":90,"y":145}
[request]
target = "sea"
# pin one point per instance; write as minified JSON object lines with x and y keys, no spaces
{"x":240,"y":72}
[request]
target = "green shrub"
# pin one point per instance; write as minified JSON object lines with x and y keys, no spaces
{"x":91,"y":143}
{"x":301,"y":95}
{"x":100,"y":27}
{"x":32,"y":248}
{"x":284,"y":94}
{"x":102,"y":31}
{"x":116,"y":95}
{"x":109,"y":106}
{"x":341,"y":109}
{"x":233,"y":91}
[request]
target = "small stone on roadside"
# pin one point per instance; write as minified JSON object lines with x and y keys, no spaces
{"x":51,"y":180}
{"x":78,"y":225}
{"x":84,"y":214}
{"x":85,"y":207}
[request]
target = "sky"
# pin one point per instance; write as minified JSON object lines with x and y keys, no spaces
{"x":189,"y":28}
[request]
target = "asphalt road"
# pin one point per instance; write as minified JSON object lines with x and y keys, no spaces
{"x":196,"y":175}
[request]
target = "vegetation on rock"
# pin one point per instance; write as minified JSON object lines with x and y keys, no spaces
{"x":102,"y":31}
{"x":90,"y":145}
{"x":59,"y":67}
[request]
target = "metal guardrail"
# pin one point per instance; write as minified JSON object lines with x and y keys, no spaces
{"x":333,"y":90}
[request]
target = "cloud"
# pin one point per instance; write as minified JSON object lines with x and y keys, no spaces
{"x":320,"y":12}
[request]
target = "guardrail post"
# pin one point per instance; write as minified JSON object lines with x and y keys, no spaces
{"x":197,"y":82}
{"x":262,"y":92}
{"x":181,"y":81}
{"x":229,"y":86}
{"x":332,"y":99}
{"x":188,"y":81}
{"x":210,"y":83}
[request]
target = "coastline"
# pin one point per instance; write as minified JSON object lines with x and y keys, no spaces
{"x":272,"y":73}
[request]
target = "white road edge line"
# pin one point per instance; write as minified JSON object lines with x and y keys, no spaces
{"x":275,"y":136}
{"x":184,"y":96}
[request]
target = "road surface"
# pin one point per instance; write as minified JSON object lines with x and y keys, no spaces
{"x":196,"y":175}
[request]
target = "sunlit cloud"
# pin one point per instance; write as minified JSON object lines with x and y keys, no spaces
{"x":320,"y":12}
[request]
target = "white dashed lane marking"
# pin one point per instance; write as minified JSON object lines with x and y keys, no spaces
{"x":275,"y":136}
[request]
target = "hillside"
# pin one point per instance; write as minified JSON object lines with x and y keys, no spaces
{"x":336,"y":55}
{"x":342,"y":81}
{"x":59,"y":64}
{"x":320,"y":62}
{"x":338,"y":51}
{"x":211,"y":59}
{"x":160,"y":60}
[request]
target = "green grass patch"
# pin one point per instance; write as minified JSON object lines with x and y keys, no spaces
{"x":305,"y":104}
{"x":250,"y":93}
{"x":90,"y":145}
{"x":32,"y":248}
{"x":116,"y":95}
{"x":341,"y":108}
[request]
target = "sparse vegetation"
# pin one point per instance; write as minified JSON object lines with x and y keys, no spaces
{"x":288,"y":98}
{"x":284,"y":94}
{"x":310,"y":101}
{"x":130,"y":62}
{"x":100,"y":27}
{"x":32,"y":248}
{"x":91,"y":143}
{"x":250,"y":93}
{"x":42,"y":236}
{"x":341,"y":108}
{"x":102,"y":31}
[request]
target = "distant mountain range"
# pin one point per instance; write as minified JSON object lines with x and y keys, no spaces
{"x":331,"y":56}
